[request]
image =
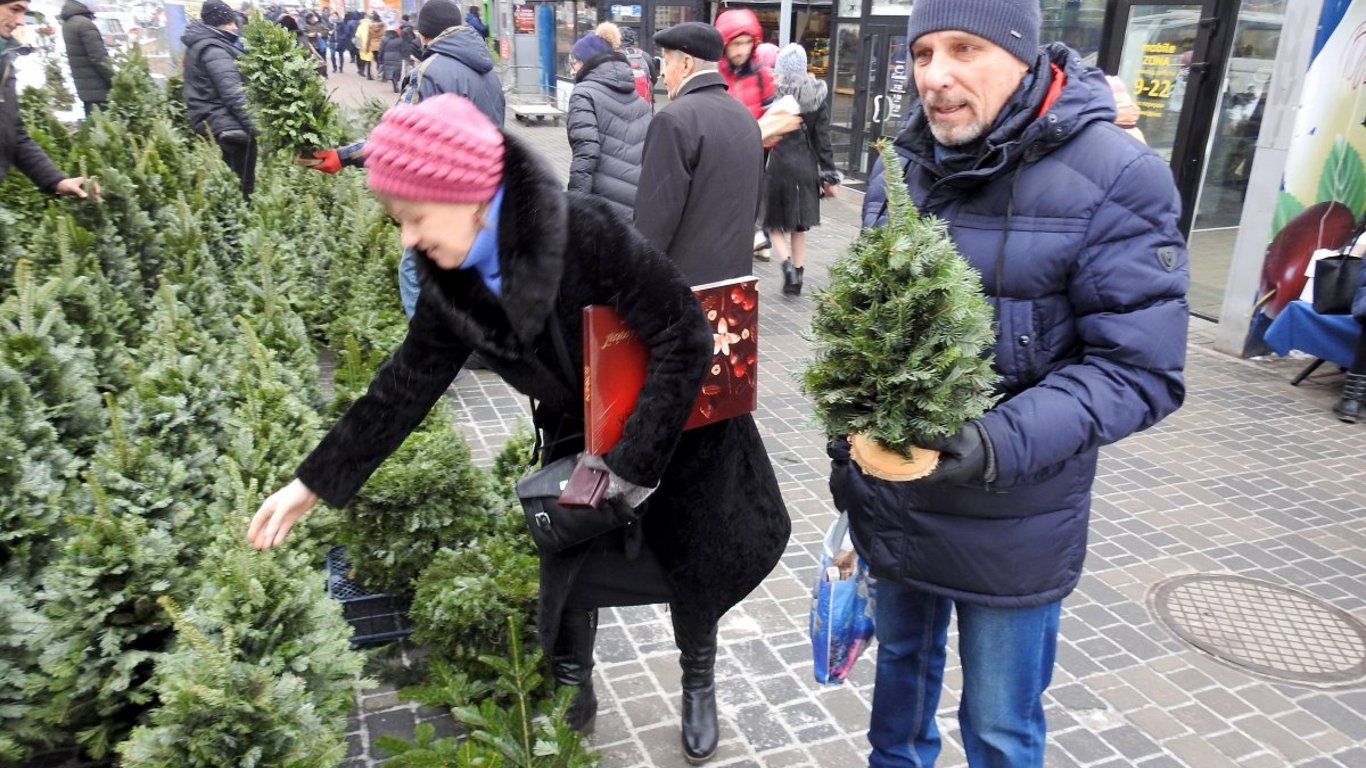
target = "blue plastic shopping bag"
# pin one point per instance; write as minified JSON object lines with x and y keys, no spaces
{"x":842,"y":607}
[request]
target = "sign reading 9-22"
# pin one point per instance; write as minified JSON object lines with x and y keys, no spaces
{"x":1157,"y":75}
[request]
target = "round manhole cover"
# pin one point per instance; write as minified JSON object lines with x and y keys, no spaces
{"x":1263,"y":628}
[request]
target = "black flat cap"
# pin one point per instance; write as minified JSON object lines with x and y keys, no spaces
{"x":694,"y":38}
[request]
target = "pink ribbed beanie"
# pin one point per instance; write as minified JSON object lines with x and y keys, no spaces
{"x":443,"y":150}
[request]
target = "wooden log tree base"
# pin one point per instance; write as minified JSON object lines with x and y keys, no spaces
{"x":883,"y":464}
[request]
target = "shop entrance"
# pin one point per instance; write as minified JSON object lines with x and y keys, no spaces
{"x":1199,"y":72}
{"x":871,"y":90}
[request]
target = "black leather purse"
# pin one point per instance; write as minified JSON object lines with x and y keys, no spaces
{"x":1335,"y":283}
{"x":556,"y":525}
{"x":563,"y":501}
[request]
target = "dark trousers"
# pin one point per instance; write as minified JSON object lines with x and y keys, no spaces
{"x":241,"y":158}
{"x":338,"y":58}
{"x":1359,"y":357}
{"x":91,"y":106}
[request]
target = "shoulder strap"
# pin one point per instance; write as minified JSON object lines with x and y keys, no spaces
{"x":562,"y":352}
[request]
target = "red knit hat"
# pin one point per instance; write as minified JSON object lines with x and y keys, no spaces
{"x":443,"y":150}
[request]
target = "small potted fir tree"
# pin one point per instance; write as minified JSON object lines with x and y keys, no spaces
{"x":902,"y":339}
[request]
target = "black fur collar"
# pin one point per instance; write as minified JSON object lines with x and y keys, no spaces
{"x":532,"y":235}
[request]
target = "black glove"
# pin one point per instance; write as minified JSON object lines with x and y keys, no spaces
{"x":966,"y":458}
{"x":845,"y":482}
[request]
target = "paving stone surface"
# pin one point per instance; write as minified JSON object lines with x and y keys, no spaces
{"x":1251,"y":477}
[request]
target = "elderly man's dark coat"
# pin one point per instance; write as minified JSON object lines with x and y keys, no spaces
{"x":699,"y":182}
{"x":91,"y":70}
{"x":717,"y":520}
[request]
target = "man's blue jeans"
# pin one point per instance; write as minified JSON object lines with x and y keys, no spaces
{"x":407,"y":282}
{"x":1007,"y":656}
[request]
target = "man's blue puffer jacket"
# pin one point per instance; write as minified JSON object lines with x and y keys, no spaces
{"x":1073,"y":227}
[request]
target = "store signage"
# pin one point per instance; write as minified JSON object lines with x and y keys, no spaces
{"x":1157,"y":75}
{"x":524,"y":19}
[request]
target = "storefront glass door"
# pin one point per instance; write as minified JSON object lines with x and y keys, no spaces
{"x":1174,"y":58}
{"x":871,"y":90}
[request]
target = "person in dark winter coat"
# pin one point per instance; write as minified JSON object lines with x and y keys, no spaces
{"x":1073,"y":227}
{"x":412,"y":50}
{"x":17,"y":148}
{"x":317,"y":32}
{"x":454,"y":61}
{"x":304,"y":42}
{"x":392,"y":53}
{"x":801,"y":167}
{"x":698,"y":199}
{"x":507,"y":259}
{"x":476,"y":23}
{"x":91,"y":68}
{"x":338,"y":42}
{"x":607,"y":123}
{"x":216,"y":102}
{"x":1352,"y":405}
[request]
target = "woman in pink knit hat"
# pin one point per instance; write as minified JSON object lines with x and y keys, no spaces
{"x":507,"y":261}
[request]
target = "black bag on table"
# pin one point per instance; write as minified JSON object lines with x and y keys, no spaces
{"x":1335,"y":283}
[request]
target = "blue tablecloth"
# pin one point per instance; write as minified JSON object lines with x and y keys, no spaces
{"x":1298,"y":326}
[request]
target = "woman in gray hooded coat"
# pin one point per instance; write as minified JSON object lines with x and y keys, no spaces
{"x":801,"y":168}
{"x":607,"y":124}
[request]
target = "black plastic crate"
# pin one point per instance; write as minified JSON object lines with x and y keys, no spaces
{"x":374,"y":619}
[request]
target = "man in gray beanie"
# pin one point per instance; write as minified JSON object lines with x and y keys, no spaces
{"x":1073,"y":227}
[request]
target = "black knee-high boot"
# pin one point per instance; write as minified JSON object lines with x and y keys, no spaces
{"x":572,"y":664}
{"x":697,"y":657}
{"x":1353,"y":403}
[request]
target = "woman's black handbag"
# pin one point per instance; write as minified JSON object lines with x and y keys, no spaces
{"x":1335,"y":282}
{"x":563,"y":501}
{"x":554,"y":523}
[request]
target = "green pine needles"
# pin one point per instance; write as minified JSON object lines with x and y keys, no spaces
{"x":287,"y":96}
{"x":903,"y":333}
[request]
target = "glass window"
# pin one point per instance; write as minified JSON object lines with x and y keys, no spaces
{"x":668,"y":15}
{"x":1078,"y":23}
{"x":848,"y":45}
{"x":572,"y":21}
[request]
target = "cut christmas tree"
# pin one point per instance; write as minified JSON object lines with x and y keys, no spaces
{"x":902,"y":339}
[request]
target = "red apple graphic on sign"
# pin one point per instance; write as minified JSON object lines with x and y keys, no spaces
{"x":1322,"y":225}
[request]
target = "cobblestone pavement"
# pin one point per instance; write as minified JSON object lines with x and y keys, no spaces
{"x":1252,"y":477}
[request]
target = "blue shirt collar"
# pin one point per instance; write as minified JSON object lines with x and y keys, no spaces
{"x":483,"y":256}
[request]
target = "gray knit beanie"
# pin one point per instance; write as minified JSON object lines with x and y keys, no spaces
{"x":1011,"y":24}
{"x":791,"y":61}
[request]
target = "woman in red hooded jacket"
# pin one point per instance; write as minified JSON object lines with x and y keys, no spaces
{"x":748,"y":82}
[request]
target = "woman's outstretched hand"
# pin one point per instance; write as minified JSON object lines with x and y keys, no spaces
{"x":279,"y":513}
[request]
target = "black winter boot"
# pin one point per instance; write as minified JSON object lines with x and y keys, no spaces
{"x":572,"y":664}
{"x":1353,"y":400}
{"x":798,"y":273}
{"x":697,"y":657}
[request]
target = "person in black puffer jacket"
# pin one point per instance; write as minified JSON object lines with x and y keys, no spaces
{"x":91,"y":69}
{"x":216,"y":102}
{"x":607,"y":124}
{"x":392,"y":52}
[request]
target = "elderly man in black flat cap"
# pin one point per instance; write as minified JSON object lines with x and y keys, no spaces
{"x":697,"y":199}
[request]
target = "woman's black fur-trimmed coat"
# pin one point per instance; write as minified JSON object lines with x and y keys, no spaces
{"x":717,"y":521}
